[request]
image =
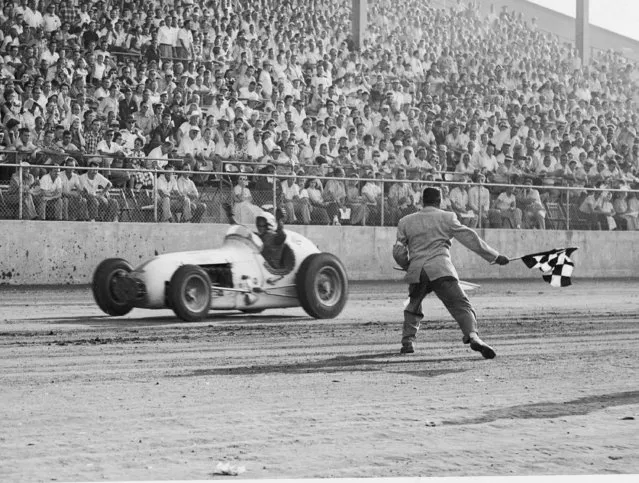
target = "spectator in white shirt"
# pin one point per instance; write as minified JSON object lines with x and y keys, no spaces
{"x":51,"y":20}
{"x":170,"y":200}
{"x":190,"y":144}
{"x":75,"y":206}
{"x":158,"y":158}
{"x":194,"y":209}
{"x":296,"y":208}
{"x":96,"y":191}
{"x":32,"y":15}
{"x":50,"y":191}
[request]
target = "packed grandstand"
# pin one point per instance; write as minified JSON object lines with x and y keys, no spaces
{"x":163,"y":111}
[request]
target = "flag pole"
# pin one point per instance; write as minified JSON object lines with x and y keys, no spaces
{"x":519,"y":258}
{"x":510,"y":260}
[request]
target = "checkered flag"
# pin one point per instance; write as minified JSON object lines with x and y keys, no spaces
{"x":555,"y":265}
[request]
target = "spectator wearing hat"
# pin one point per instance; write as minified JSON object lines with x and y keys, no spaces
{"x":190,"y":144}
{"x":506,"y":171}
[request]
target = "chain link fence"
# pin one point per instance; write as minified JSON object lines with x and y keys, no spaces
{"x":66,"y":192}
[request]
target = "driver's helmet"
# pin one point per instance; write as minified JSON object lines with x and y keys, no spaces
{"x":270,"y":220}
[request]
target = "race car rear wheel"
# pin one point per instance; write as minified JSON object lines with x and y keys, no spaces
{"x":322,"y":285}
{"x":190,"y":292}
{"x":105,"y":280}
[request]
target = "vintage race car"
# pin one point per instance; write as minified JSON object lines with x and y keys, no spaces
{"x":232,"y":277}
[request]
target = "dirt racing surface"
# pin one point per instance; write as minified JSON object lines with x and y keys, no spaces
{"x":85,"y":397}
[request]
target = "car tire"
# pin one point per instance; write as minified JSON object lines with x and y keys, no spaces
{"x":322,"y":285}
{"x":190,"y":293}
{"x":102,"y":286}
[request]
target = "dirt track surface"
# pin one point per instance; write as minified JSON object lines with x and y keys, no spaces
{"x":89,"y":397}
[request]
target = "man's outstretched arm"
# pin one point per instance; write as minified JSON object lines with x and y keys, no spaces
{"x":471,"y":240}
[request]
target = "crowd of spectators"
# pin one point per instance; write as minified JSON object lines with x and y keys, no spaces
{"x":260,"y":89}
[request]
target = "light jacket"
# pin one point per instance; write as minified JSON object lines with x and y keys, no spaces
{"x":428,"y":234}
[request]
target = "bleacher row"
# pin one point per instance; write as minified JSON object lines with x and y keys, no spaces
{"x":561,"y":206}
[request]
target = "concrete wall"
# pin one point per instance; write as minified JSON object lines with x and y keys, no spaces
{"x":68,"y":252}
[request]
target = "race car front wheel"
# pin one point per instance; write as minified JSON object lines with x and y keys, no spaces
{"x":322,"y":285}
{"x":190,"y":292}
{"x":104,"y":286}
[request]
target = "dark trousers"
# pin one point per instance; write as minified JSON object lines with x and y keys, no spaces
{"x":452,"y":296}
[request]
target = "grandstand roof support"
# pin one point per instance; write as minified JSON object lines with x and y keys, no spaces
{"x":582,"y":30}
{"x":360,"y":8}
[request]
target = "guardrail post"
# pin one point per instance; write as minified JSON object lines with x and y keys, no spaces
{"x":381,"y":205}
{"x":274,"y":194}
{"x":155,"y":196}
{"x":567,"y":209}
{"x":479,"y":198}
{"x":20,"y":192}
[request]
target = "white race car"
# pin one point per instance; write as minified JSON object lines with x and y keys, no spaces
{"x":232,"y":277}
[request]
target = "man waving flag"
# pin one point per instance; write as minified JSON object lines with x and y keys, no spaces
{"x":555,"y":265}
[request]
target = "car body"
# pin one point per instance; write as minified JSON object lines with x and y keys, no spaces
{"x":234,"y":276}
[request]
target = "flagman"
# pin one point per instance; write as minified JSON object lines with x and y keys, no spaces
{"x":423,"y":249}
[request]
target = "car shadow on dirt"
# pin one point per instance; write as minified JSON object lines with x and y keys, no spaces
{"x":106,"y":321}
{"x":359,"y":363}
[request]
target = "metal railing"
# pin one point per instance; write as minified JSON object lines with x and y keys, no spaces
{"x":306,"y":199}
